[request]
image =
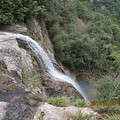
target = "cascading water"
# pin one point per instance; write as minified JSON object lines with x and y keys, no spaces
{"x":45,"y":61}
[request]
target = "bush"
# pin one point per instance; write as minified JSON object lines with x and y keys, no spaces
{"x":59,"y":101}
{"x":39,"y":97}
{"x":17,"y":10}
{"x":80,"y":103}
{"x":106,"y":89}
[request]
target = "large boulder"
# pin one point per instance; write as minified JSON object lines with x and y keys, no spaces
{"x":14,"y":57}
{"x":50,"y":112}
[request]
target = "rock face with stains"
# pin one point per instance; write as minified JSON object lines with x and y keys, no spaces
{"x":14,"y":57}
{"x":14,"y":101}
{"x":59,"y":88}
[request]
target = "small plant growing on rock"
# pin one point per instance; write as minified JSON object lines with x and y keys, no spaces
{"x":59,"y":101}
{"x":39,"y":97}
{"x":34,"y":56}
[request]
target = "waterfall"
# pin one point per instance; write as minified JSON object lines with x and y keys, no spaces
{"x":45,"y":62}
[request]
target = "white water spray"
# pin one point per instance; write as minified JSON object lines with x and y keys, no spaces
{"x":45,"y":61}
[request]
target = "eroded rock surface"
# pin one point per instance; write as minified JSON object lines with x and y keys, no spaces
{"x":14,"y":101}
{"x":13,"y":57}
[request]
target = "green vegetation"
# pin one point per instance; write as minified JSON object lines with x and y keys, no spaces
{"x":108,"y":89}
{"x":83,"y":36}
{"x":64,"y":101}
{"x":59,"y":101}
{"x":78,"y":116}
{"x":34,"y":56}
{"x":80,"y":103}
{"x":32,"y":80}
{"x":112,"y":117}
{"x":17,"y":11}
{"x":39,"y":97}
{"x":111,"y":109}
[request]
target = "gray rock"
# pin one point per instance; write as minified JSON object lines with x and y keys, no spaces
{"x":61,"y":113}
{"x":14,"y":57}
{"x":59,"y":88}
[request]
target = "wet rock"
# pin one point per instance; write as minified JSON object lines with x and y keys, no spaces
{"x":13,"y":104}
{"x":31,"y":102}
{"x":59,"y":88}
{"x":21,"y":43}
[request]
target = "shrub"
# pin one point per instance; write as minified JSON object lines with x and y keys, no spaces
{"x":39,"y":97}
{"x":108,"y":89}
{"x":80,"y":103}
{"x":59,"y":101}
{"x":17,"y":10}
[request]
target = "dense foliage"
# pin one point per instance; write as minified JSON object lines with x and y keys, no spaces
{"x":108,"y":89}
{"x":86,"y":35}
{"x":17,"y":10}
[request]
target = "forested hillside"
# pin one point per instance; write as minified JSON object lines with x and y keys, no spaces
{"x":86,"y":35}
